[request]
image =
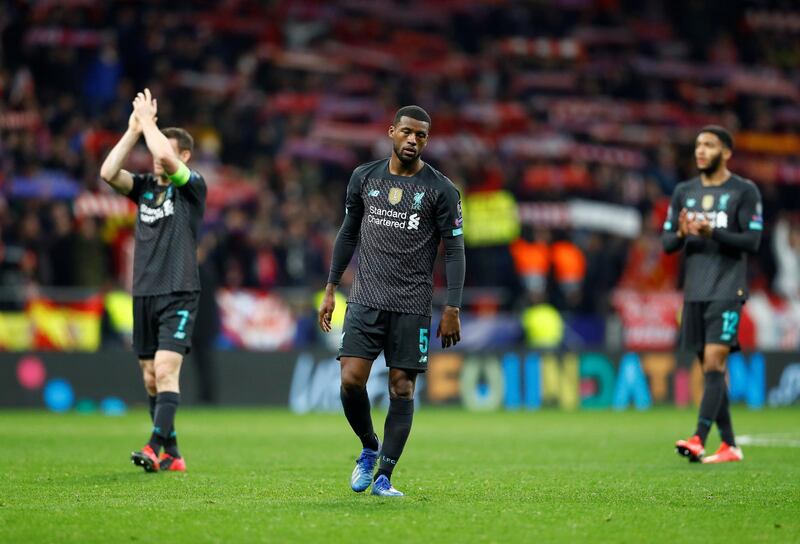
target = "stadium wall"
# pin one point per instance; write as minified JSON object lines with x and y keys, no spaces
{"x":306,"y":381}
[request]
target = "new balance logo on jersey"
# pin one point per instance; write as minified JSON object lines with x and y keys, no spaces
{"x":423,"y":360}
{"x":413,"y":222}
{"x":374,"y":192}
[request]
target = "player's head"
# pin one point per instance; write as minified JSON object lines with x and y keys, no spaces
{"x":182,"y":144}
{"x":713,"y":148}
{"x":409,"y":133}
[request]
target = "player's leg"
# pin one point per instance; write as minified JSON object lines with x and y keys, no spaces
{"x":724,"y":422}
{"x":693,"y":448}
{"x":722,"y":338}
{"x":728,"y":450}
{"x":396,"y":428}
{"x":692,"y":340}
{"x":362,"y":342}
{"x":355,"y":400}
{"x":714,"y":358}
{"x":176,"y":316}
{"x":145,"y":343}
{"x":406,"y":355}
{"x":167,"y":369}
{"x":149,"y":378}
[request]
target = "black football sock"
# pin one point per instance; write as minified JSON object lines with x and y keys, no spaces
{"x":152,"y":400}
{"x":395,"y":434}
{"x":166,"y":407}
{"x":709,"y":406}
{"x":724,"y":423}
{"x":171,"y":444}
{"x":355,"y":402}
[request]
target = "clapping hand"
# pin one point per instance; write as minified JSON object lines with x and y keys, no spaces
{"x":145,"y":107}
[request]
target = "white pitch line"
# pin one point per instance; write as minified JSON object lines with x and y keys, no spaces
{"x":768,"y":440}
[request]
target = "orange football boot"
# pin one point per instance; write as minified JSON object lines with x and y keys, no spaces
{"x":692,"y":448}
{"x":725,"y":454}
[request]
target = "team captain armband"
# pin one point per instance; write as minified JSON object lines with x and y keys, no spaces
{"x":181,"y":177}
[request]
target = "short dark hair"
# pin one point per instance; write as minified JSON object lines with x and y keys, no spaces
{"x":185,"y":140}
{"x":415,"y":112}
{"x":721,"y":133}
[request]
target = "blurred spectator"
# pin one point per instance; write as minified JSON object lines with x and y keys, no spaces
{"x":786,"y":246}
{"x":285,"y":98}
{"x":91,"y":256}
{"x":531,"y":253}
{"x":543,"y":325}
{"x":569,"y":266}
{"x":34,"y":263}
{"x":207,"y":325}
{"x":648,"y":267}
{"x":62,"y":247}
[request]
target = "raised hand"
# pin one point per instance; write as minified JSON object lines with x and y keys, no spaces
{"x":145,"y":106}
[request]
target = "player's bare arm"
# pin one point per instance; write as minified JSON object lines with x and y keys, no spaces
{"x":146,"y":108}
{"x":111,"y":171}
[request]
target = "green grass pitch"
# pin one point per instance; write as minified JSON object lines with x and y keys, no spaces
{"x":271,"y":476}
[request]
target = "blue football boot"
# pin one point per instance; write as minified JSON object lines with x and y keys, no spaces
{"x":383,"y":488}
{"x":365,"y":466}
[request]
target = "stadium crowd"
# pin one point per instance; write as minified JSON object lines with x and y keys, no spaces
{"x":553,"y":103}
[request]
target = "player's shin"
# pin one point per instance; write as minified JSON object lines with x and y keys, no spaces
{"x":152,"y":402}
{"x":166,"y":407}
{"x":724,"y":423}
{"x":355,"y":402}
{"x":712,"y":400}
{"x":396,"y":431}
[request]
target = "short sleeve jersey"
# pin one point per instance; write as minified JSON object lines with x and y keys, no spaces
{"x":403,"y":219}
{"x":167,"y":222}
{"x":716,"y":271}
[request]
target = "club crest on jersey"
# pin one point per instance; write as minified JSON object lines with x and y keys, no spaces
{"x":418,"y":201}
{"x":723,"y":202}
{"x":707,"y":202}
{"x":395,"y":195}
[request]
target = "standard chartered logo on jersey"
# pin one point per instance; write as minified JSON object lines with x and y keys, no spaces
{"x":393,"y":218}
{"x":151,"y":215}
{"x":719,"y":220}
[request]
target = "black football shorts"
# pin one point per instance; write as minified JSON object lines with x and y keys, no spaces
{"x":164,"y":322}
{"x":710,"y":322}
{"x":404,"y":338}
